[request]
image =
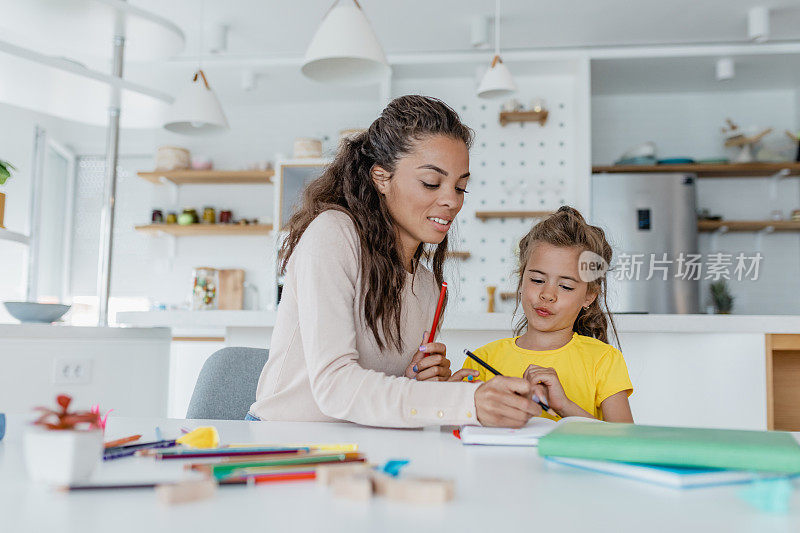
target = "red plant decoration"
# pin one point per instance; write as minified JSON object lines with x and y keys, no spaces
{"x":63,"y":419}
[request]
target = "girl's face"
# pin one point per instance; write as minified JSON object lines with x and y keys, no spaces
{"x":426,"y":190}
{"x":552,"y":292}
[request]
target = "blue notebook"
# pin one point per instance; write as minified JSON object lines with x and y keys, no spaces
{"x":667,"y":476}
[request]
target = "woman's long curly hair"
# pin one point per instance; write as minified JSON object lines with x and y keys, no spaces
{"x":567,"y":227}
{"x":347,"y":186}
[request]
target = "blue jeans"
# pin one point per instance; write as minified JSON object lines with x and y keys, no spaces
{"x":252,"y":417}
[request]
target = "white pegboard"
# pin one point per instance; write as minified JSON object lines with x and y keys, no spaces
{"x":519,"y":167}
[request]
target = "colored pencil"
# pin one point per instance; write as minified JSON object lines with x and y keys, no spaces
{"x":197,"y":454}
{"x":258,"y":479}
{"x":333,"y":447}
{"x":120,"y":442}
{"x":221,"y":470}
{"x":487,"y":366}
{"x":131,"y":449}
{"x":438,"y":313}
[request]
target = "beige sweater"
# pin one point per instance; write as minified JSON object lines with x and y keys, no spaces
{"x":324,"y":363}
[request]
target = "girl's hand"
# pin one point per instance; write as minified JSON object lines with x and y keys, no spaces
{"x":546,"y":385}
{"x":430,"y":363}
{"x":505,"y":402}
{"x":469,"y":374}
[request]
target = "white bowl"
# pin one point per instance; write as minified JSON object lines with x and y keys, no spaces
{"x":647,"y":149}
{"x":36,"y":312}
{"x":62,"y":457}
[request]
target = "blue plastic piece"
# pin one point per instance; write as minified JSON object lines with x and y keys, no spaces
{"x":393,"y":466}
{"x":2,"y":425}
{"x":770,"y":495}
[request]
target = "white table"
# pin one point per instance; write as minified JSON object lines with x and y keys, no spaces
{"x":498,"y":489}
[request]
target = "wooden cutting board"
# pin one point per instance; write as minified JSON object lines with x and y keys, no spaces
{"x":231,"y":289}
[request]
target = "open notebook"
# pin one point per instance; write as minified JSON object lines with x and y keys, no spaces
{"x":528,"y":435}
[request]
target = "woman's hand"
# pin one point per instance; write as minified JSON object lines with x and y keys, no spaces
{"x":505,"y":402}
{"x":430,"y":363}
{"x":546,"y":385}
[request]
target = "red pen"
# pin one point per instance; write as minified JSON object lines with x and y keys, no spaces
{"x":432,"y":334}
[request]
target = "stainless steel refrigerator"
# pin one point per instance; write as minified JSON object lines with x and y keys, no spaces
{"x":646,"y":216}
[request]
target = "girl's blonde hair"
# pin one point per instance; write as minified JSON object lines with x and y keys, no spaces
{"x":567,"y":227}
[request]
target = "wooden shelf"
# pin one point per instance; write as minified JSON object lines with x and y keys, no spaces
{"x":459,"y":255}
{"x":523,"y":116}
{"x":508,"y":295}
{"x":6,"y":235}
{"x":748,"y":225}
{"x":207,"y":177}
{"x":711,"y":170}
{"x":485,"y":215}
{"x":205,"y":229}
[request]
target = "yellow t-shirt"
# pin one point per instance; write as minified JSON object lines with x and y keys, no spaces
{"x":589,"y":370}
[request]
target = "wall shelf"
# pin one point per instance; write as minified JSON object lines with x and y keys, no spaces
{"x":205,"y":177}
{"x":523,"y":116}
{"x":6,"y":235}
{"x":747,"y":225}
{"x":458,"y":254}
{"x":192,"y":230}
{"x":485,"y":215}
{"x":726,"y":170}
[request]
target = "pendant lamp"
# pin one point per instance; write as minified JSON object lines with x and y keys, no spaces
{"x":345,"y":49}
{"x":196,"y":110}
{"x":497,"y":82}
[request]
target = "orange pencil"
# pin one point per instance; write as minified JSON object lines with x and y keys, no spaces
{"x":120,"y":442}
{"x":438,"y":313}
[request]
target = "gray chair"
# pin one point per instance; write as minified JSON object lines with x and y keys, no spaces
{"x":226,"y":386}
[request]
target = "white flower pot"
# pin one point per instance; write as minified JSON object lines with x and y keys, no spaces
{"x":62,"y":457}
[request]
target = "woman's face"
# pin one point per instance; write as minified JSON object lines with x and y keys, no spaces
{"x":426,"y":190}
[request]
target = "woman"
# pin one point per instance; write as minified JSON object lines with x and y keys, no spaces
{"x":356,"y":299}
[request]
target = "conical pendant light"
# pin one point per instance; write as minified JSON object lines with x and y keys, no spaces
{"x":345,"y":49}
{"x":497,"y":82}
{"x":197,"y":111}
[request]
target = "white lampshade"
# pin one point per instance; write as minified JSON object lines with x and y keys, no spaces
{"x":497,"y":82}
{"x":345,"y":49}
{"x":196,"y":110}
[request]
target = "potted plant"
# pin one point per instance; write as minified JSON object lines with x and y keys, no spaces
{"x":5,"y":173}
{"x":723,"y":300}
{"x":63,"y":446}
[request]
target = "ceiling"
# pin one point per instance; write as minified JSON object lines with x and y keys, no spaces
{"x":284,"y":28}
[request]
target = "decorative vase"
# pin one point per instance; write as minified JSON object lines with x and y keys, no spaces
{"x":62,"y":457}
{"x":2,"y":208}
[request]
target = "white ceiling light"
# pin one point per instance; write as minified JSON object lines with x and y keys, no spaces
{"x":497,"y":82}
{"x":345,"y":49}
{"x":725,"y":69}
{"x":758,"y":24}
{"x":196,"y":110}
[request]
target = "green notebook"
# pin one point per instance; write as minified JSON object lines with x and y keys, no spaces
{"x":773,"y":451}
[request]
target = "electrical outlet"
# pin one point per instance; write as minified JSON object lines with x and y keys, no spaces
{"x":72,"y":371}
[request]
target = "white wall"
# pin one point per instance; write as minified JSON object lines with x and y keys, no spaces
{"x":688,"y":124}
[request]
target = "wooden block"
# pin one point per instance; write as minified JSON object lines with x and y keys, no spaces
{"x":186,"y":491}
{"x":231,"y":289}
{"x":414,"y":489}
{"x":353,"y":487}
{"x":327,"y":474}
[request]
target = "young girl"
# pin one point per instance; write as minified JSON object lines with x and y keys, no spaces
{"x":561,"y":342}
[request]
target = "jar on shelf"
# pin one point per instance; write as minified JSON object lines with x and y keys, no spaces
{"x":225,"y":216}
{"x":209,"y":215}
{"x":157,"y":217}
{"x":172,"y":218}
{"x":204,"y":289}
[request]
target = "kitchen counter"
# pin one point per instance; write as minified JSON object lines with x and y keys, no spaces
{"x":191,"y":320}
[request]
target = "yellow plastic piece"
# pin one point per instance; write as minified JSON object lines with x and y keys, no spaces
{"x":202,"y":437}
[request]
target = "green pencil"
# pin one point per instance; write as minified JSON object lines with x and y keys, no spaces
{"x":220,"y":471}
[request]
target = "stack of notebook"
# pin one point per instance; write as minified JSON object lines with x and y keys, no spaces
{"x":668,"y":456}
